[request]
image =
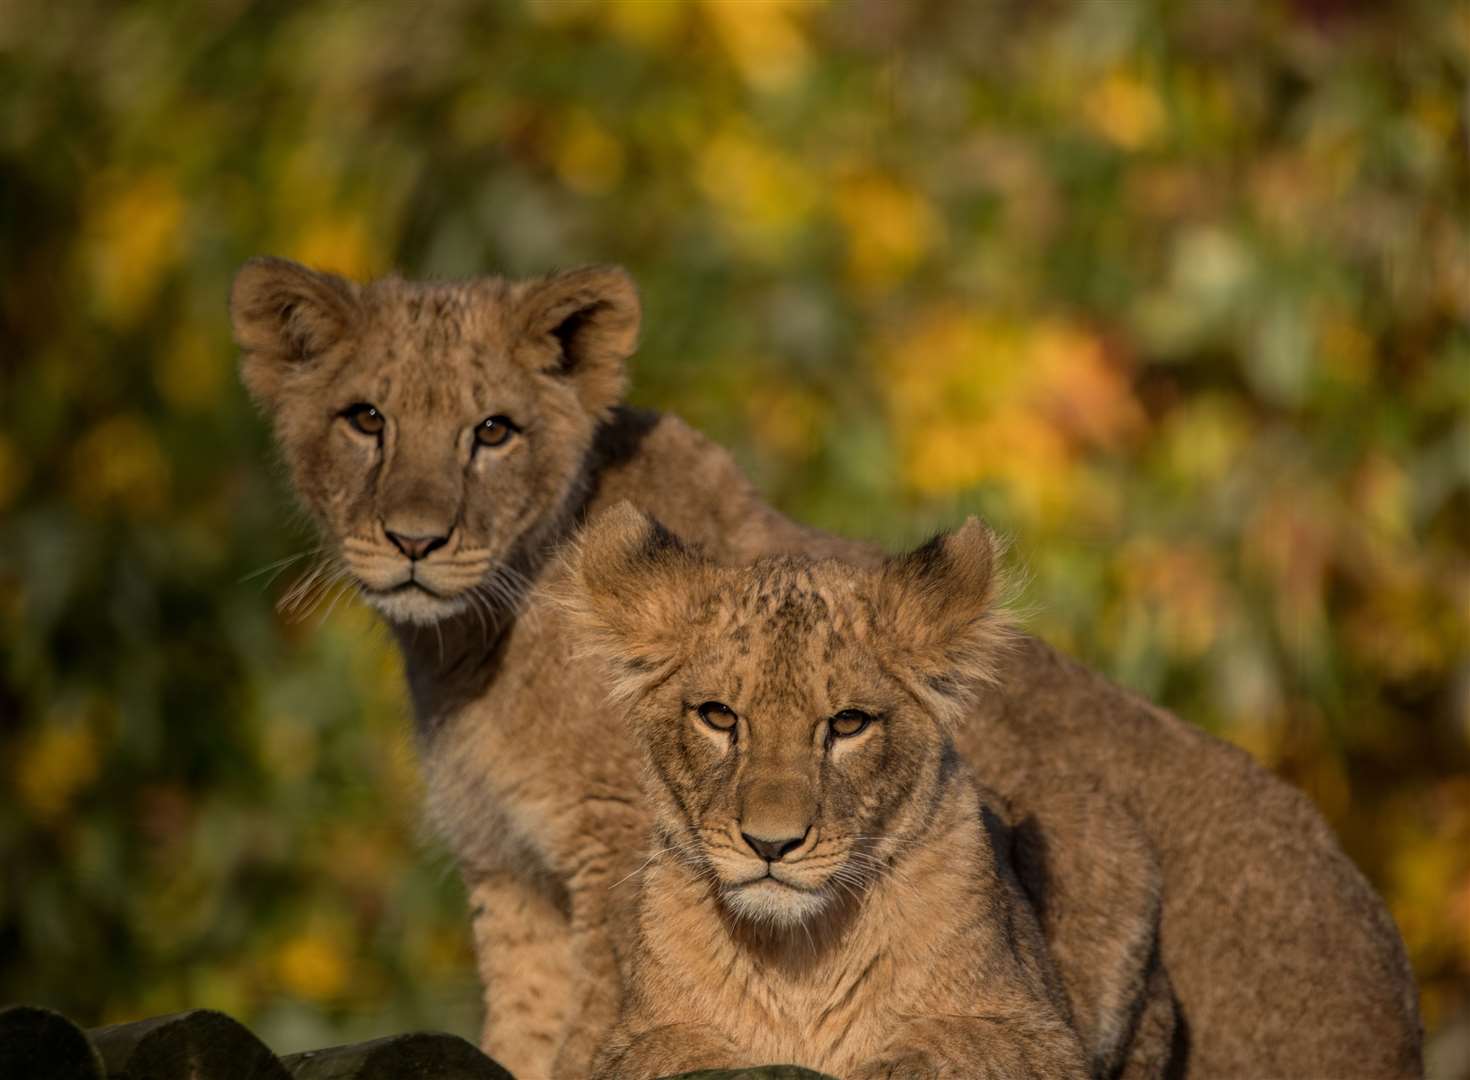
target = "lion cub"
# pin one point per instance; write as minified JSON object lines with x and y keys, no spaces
{"x":825,"y":887}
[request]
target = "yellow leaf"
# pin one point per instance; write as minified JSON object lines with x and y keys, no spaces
{"x":763,"y":38}
{"x":647,"y":23}
{"x":890,"y":227}
{"x":1180,"y":586}
{"x":313,"y":965}
{"x":1085,"y":396}
{"x":133,"y":239}
{"x":1202,"y":439}
{"x":1381,"y":492}
{"x":342,"y":242}
{"x":191,"y":372}
{"x":1258,"y":736}
{"x":766,"y":197}
{"x":1125,"y":110}
{"x":54,"y":765}
{"x":982,"y":399}
{"x":119,"y":464}
{"x":786,"y":418}
{"x":587,"y":157}
{"x":1346,"y":349}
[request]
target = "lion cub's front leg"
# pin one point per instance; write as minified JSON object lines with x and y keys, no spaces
{"x":979,"y":1048}
{"x":523,"y":949}
{"x":900,"y":1063}
{"x":664,"y":1051}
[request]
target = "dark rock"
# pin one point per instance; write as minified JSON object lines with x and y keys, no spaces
{"x":419,"y":1056}
{"x":197,"y":1045}
{"x":38,"y":1044}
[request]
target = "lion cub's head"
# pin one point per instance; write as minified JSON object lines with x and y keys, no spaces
{"x":433,"y":430}
{"x":796,"y":714}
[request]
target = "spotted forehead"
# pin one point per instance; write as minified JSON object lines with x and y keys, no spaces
{"x":442,"y":348}
{"x":433,"y":316}
{"x":781,"y":612}
{"x":790,"y":639}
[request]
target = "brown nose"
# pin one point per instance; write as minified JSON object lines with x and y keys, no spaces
{"x":416,"y":547}
{"x":773,"y":850}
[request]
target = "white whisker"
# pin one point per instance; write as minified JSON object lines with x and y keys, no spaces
{"x":276,"y":568}
{"x":347,"y":587}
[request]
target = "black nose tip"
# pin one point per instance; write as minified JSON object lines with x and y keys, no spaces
{"x":773,"y":850}
{"x":416,"y":547}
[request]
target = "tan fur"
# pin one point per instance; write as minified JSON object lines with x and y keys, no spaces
{"x":1282,"y":959}
{"x":888,"y":926}
{"x":1094,"y":879}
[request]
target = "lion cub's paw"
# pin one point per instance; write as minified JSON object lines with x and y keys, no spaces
{"x":900,"y":1065}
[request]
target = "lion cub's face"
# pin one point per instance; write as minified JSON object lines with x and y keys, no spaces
{"x":795,"y":714}
{"x":433,"y":429}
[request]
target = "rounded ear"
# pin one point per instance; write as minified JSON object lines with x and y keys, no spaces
{"x":630,"y":590}
{"x":592,"y":316}
{"x":945,"y":620}
{"x":284,"y":316}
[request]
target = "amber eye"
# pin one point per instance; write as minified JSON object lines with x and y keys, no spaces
{"x":848,"y":723}
{"x":365,"y":418}
{"x":718,"y":716}
{"x":495,"y":431}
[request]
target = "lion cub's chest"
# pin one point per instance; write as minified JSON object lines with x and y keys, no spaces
{"x":830,"y":1015}
{"x":831,"y":1020}
{"x":526,"y":775}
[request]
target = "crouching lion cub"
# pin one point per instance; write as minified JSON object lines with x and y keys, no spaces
{"x":829,"y":884}
{"x":449,"y":438}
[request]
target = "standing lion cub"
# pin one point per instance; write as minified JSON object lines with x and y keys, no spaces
{"x":828,"y":885}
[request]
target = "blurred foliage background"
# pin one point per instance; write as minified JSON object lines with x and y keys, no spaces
{"x":1175,"y":294}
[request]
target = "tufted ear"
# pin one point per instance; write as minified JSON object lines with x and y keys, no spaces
{"x":591,"y":318}
{"x":630,"y":591}
{"x":284,"y":317}
{"x":946,"y":626}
